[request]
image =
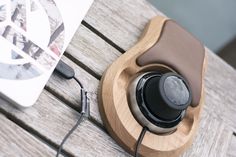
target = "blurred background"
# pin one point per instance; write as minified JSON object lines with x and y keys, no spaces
{"x":211,"y":21}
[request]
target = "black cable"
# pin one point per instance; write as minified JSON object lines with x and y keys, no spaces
{"x":69,"y":133}
{"x":139,"y":141}
{"x":67,"y":72}
{"x":80,"y":84}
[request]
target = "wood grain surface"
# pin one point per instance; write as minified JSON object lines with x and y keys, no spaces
{"x":121,"y":21}
{"x":51,"y":120}
{"x":231,"y":150}
{"x":90,"y":50}
{"x":110,"y":28}
{"x":16,"y":142}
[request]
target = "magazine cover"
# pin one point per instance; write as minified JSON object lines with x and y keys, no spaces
{"x":33,"y":36}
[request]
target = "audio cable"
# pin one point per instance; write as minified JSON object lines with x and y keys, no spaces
{"x":139,"y":141}
{"x":68,"y":73}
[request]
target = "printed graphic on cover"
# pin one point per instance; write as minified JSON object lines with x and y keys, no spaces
{"x":33,"y":37}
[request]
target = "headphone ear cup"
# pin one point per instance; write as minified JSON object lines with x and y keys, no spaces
{"x":158,"y":101}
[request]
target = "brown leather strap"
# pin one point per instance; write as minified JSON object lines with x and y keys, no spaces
{"x":179,"y":50}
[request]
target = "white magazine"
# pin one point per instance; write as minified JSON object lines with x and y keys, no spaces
{"x":33,"y":36}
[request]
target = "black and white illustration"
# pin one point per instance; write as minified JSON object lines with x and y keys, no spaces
{"x":35,"y":31}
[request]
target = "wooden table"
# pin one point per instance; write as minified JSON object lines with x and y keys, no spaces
{"x":110,"y":28}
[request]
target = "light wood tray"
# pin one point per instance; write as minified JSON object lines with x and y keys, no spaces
{"x":115,"y":111}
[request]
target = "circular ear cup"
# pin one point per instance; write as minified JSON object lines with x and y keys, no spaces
{"x":158,"y":101}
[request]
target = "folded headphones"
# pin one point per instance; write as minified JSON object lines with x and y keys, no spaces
{"x":151,"y":96}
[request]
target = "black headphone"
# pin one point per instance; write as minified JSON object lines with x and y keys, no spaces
{"x":158,"y":101}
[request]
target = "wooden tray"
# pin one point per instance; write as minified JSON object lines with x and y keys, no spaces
{"x":114,"y":103}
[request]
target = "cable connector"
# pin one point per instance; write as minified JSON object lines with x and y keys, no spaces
{"x":85,"y":103}
{"x":65,"y":70}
